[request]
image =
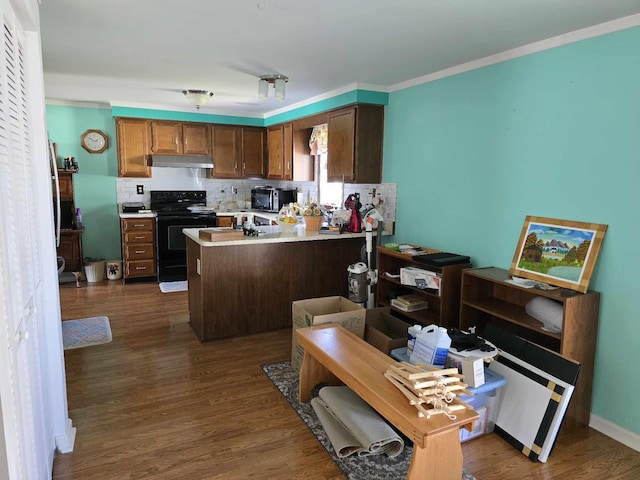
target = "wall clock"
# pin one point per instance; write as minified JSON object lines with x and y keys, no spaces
{"x":94,"y":141}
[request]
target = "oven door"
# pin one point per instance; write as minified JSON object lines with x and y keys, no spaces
{"x":172,"y":244}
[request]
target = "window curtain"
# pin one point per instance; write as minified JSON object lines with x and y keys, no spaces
{"x":318,"y":140}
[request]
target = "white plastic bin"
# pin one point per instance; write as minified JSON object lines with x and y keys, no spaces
{"x":94,"y":271}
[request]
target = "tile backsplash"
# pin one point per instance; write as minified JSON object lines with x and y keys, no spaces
{"x":222,"y":190}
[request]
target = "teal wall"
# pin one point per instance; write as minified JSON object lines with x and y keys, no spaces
{"x":95,"y":182}
{"x":555,"y":134}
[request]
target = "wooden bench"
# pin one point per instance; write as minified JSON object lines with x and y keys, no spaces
{"x":333,"y":355}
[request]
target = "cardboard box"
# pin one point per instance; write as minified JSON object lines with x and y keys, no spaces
{"x":420,"y":278}
{"x":318,"y":311}
{"x":384,"y":331}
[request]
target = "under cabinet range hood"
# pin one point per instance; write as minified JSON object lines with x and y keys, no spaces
{"x":187,"y":161}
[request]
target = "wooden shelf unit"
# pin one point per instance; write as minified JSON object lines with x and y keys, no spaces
{"x":443,"y":306}
{"x":486,"y":297}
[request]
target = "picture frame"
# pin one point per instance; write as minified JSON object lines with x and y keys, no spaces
{"x":557,"y":252}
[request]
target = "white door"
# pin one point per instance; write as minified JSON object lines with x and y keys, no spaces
{"x":31,"y":369}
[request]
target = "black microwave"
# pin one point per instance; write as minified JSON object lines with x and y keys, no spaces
{"x":271,"y":199}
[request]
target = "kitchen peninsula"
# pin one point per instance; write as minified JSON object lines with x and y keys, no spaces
{"x":241,"y":287}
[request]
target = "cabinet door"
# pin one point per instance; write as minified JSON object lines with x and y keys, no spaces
{"x":341,"y":145}
{"x":166,"y":137}
{"x":253,"y":148}
{"x":195,"y":138}
{"x":225,"y":143}
{"x":66,"y":185}
{"x":275,"y":141}
{"x":133,"y":147}
{"x":71,"y":249}
{"x":287,"y":151}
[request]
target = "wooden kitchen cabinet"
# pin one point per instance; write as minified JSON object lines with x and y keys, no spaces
{"x":254,"y":143}
{"x":172,"y":138}
{"x":288,"y":156}
{"x":487,"y":298}
{"x":133,"y":147}
{"x":195,"y":139}
{"x":238,"y":152}
{"x":444,"y":306}
{"x":70,"y":249}
{"x":355,"y":144}
{"x":138,"y":247}
{"x":276,"y":148}
{"x":226,"y":147}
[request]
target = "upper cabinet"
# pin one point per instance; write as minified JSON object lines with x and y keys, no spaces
{"x":276,"y":148}
{"x":133,"y":147}
{"x":225,"y":149}
{"x":287,"y":159}
{"x":254,"y":145}
{"x":238,"y":152}
{"x":195,"y":139}
{"x":355,"y":144}
{"x":169,"y":137}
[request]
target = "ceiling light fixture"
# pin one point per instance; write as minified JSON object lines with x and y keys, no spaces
{"x":198,"y":97}
{"x":278,"y":82}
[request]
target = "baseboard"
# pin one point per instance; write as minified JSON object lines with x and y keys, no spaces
{"x":630,"y":439}
{"x":65,"y":443}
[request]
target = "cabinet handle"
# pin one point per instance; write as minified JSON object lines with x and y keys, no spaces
{"x":175,"y":140}
{"x":140,"y":251}
{"x":138,"y":237}
{"x":138,"y":225}
{"x":141,"y":268}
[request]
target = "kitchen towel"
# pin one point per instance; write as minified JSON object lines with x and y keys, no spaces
{"x":352,"y":426}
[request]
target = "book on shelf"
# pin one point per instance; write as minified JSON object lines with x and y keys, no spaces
{"x":410,"y":303}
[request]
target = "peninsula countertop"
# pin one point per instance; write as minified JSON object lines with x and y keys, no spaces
{"x":274,"y":234}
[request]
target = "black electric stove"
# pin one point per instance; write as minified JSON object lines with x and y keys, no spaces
{"x":172,"y":215}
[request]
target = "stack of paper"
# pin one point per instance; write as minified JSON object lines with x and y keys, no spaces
{"x":410,"y":303}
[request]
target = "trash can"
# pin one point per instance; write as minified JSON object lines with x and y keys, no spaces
{"x":94,"y":269}
{"x":114,"y":269}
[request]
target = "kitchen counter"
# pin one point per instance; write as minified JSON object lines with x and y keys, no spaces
{"x":137,"y":215}
{"x":241,"y":287}
{"x":274,"y":234}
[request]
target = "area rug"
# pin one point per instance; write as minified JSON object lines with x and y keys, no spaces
{"x":169,"y":287}
{"x":85,"y":332}
{"x":376,"y":467}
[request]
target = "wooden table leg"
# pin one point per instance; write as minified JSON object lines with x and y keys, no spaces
{"x":312,"y":373}
{"x":439,"y":459}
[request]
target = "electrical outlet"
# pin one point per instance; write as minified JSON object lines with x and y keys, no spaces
{"x":140,"y":189}
{"x":234,"y":190}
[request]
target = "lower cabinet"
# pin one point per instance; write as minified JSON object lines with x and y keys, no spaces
{"x":138,"y":247}
{"x":71,"y":250}
{"x":244,"y":289}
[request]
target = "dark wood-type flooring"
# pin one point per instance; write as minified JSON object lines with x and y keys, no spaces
{"x":157,"y":404}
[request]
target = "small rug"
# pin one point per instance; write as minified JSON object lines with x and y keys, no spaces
{"x":375,"y":467}
{"x":85,"y":332}
{"x":168,"y":287}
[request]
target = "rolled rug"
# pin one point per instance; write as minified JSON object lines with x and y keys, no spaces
{"x":363,"y":423}
{"x":343,"y":442}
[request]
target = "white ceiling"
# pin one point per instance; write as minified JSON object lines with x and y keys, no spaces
{"x":143,"y":53}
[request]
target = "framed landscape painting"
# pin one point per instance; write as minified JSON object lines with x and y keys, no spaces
{"x":558,"y":252}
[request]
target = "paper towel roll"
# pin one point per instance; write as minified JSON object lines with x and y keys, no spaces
{"x":549,"y":312}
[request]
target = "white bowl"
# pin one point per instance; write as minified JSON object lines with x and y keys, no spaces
{"x":286,"y":227}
